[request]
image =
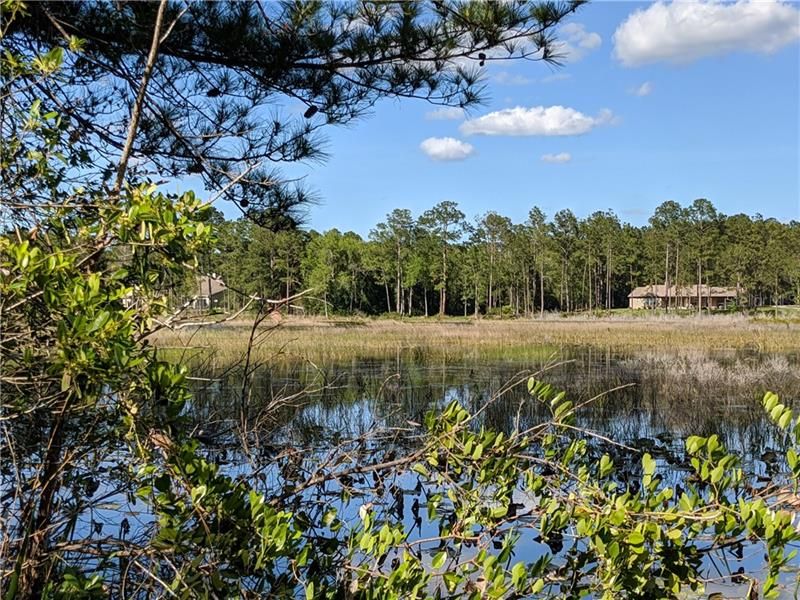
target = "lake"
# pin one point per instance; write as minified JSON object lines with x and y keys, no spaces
{"x":644,"y":401}
{"x":644,"y":397}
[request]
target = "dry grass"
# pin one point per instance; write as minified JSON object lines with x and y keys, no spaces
{"x":693,"y":373}
{"x":343,"y":339}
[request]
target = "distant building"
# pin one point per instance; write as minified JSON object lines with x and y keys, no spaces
{"x":210,"y":292}
{"x":661,"y":296}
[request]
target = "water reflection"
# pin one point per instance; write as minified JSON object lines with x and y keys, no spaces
{"x":646,"y":400}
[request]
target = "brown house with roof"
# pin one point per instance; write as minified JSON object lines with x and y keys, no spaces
{"x":210,"y":292}
{"x":688,"y":296}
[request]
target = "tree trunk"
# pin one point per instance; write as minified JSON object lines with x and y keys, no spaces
{"x":677,"y":263}
{"x":608,"y":278}
{"x":398,"y":292}
{"x":353,"y":285}
{"x":699,"y":290}
{"x":35,"y":570}
{"x":567,"y":286}
{"x":541,"y":286}
{"x":666,"y":279}
{"x":443,"y":291}
{"x":583,"y":284}
{"x":491,"y":273}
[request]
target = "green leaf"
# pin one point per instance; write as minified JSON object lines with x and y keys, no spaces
{"x":674,"y":534}
{"x":438,"y":560}
{"x":99,"y":321}
{"x":717,"y":473}
{"x":606,"y":465}
{"x":518,"y":573}
{"x":791,"y":458}
{"x":785,"y":419}
{"x":694,"y":443}
{"x":420,"y":468}
{"x":198,"y":493}
{"x":770,"y":400}
{"x":537,"y":586}
{"x":648,"y":464}
{"x":478,"y":452}
{"x":635,"y":538}
{"x":451,"y":580}
{"x":329,"y":517}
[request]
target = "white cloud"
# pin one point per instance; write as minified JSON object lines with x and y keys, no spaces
{"x":643,"y":90}
{"x":506,"y":78}
{"x":577,"y":34}
{"x":536,"y":120}
{"x":446,"y":148}
{"x":445,"y":113}
{"x":574,"y":42}
{"x":681,"y":32}
{"x":561,"y":157}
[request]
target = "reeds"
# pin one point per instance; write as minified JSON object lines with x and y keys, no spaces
{"x":346,"y":339}
{"x":693,"y":374}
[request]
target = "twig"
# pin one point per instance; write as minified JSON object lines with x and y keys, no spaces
{"x":136,"y":110}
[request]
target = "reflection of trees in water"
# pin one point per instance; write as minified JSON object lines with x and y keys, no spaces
{"x":672,"y":396}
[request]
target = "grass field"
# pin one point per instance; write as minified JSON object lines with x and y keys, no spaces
{"x":349,"y":338}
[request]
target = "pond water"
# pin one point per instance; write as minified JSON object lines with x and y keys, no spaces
{"x":651,"y":399}
{"x":648,"y":401}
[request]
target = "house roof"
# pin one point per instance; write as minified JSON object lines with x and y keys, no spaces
{"x":686,"y":291}
{"x":217,"y":285}
{"x":645,"y":291}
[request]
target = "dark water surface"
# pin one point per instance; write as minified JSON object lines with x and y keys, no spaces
{"x":646,"y":399}
{"x":649,"y":401}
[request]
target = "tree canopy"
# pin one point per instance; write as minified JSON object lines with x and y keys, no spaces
{"x":238,"y":88}
{"x":493,"y":265}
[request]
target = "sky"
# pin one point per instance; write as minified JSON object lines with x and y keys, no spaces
{"x":656,"y":101}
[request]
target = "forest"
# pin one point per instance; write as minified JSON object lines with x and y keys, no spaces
{"x":440,"y":262}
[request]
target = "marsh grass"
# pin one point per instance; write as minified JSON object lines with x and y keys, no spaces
{"x":321,"y":340}
{"x":696,"y":374}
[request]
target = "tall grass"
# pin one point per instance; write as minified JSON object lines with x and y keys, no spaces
{"x":344,"y":339}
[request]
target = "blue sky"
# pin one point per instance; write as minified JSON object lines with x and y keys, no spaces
{"x":658,"y":102}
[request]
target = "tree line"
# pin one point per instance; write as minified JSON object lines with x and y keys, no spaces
{"x":442,"y":263}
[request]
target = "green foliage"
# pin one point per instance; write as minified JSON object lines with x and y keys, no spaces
{"x":640,"y":541}
{"x":95,"y":421}
{"x":499,"y":268}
